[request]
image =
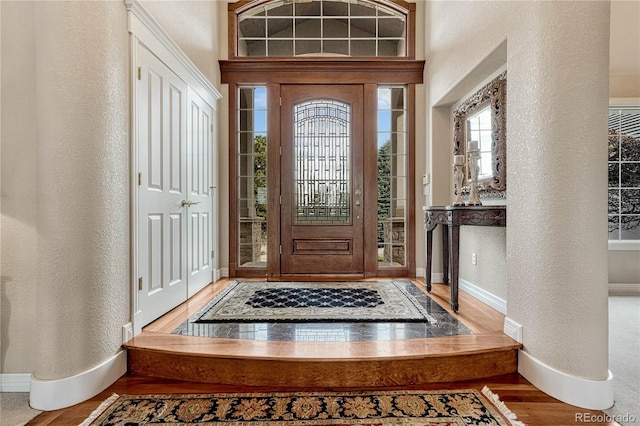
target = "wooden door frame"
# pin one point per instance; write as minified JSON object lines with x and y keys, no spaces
{"x":273,"y":73}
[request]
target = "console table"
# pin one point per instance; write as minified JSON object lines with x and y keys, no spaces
{"x":453,"y":217}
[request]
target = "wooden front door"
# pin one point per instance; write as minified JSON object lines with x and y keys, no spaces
{"x":322,"y":219}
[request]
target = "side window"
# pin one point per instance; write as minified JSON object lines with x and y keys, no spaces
{"x":624,"y":173}
{"x":252,"y":176}
{"x":392,"y":176}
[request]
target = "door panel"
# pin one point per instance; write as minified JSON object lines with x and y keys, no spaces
{"x":199,"y":142}
{"x":160,"y":103}
{"x":322,"y":179}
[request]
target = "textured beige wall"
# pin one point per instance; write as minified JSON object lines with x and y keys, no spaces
{"x":624,"y":267}
{"x":82,"y":80}
{"x":557,"y":56}
{"x":18,"y":182}
{"x":194,"y":26}
{"x":624,"y":78}
{"x":65,"y":199}
{"x":489,"y":245}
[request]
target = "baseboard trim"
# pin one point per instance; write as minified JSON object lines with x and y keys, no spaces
{"x":578,"y":391}
{"x":50,"y":395}
{"x":436,"y":277}
{"x":223,"y":273}
{"x":483,"y":295}
{"x":15,"y":382}
{"x":421,"y":272}
{"x":513,"y":329}
{"x":620,"y":289}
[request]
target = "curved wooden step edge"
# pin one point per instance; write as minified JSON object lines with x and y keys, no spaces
{"x":321,"y":373}
{"x":322,"y":364}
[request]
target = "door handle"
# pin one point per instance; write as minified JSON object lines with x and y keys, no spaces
{"x":187,"y":203}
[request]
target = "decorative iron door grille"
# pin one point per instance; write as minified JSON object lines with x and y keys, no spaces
{"x":322,"y":162}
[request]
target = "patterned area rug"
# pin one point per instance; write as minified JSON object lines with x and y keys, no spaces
{"x":415,"y":408}
{"x":259,"y":301}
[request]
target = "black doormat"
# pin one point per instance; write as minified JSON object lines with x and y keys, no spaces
{"x":260,"y":301}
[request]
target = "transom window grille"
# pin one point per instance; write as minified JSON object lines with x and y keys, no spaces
{"x":252,"y":176}
{"x":624,"y":173}
{"x":322,"y":152}
{"x":322,"y":27}
{"x":392,"y":176}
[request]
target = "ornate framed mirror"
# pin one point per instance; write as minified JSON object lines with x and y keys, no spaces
{"x":483,"y":118}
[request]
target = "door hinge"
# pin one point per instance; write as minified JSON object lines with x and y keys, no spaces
{"x":280,"y":100}
{"x":139,"y":178}
{"x":139,"y":73}
{"x":281,"y":200}
{"x":213,"y":254}
{"x":212,"y":128}
{"x":140,"y":284}
{"x":280,"y":248}
{"x":280,"y":150}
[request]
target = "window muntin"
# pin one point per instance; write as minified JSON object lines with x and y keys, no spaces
{"x":252,"y":176}
{"x":392,"y":176}
{"x":358,"y":28}
{"x":624,"y":173}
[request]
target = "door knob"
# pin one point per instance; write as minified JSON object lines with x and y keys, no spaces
{"x":187,"y":203}
{"x":358,"y":202}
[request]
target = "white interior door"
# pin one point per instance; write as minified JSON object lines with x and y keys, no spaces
{"x":161,"y":99}
{"x":200,"y":192}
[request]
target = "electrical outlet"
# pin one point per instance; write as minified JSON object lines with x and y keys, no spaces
{"x":474,"y":259}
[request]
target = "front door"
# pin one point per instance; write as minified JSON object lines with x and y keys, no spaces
{"x":322,"y":219}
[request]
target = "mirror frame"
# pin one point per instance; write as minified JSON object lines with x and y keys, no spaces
{"x":494,"y":95}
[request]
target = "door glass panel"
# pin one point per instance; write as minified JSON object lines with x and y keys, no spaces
{"x":392,"y":177}
{"x":252,"y":176}
{"x":322,"y":156}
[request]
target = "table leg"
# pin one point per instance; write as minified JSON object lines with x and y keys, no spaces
{"x":454,"y":237}
{"x":429,"y":257}
{"x":445,"y":254}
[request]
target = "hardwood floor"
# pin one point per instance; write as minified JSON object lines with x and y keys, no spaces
{"x":532,"y":406}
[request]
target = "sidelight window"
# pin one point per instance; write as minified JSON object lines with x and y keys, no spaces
{"x":392,"y":176}
{"x":252,"y":175}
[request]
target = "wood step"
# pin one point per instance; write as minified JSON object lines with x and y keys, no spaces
{"x":320,"y":364}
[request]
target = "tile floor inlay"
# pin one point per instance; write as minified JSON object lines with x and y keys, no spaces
{"x":445,"y":325}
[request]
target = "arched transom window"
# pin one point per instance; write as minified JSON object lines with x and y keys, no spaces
{"x":357,"y":28}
